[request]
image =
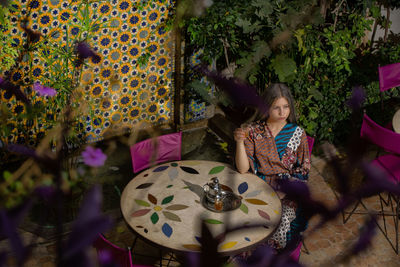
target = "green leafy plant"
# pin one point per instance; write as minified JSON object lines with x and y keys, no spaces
{"x":320,"y":53}
{"x":8,"y":50}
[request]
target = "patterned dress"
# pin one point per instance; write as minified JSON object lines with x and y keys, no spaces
{"x":284,"y":157}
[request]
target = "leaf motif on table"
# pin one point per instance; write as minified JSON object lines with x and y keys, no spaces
{"x":192,"y":247}
{"x":139,"y":213}
{"x":216,"y":169}
{"x":173,"y":173}
{"x":256,"y":201}
{"x":167,"y":200}
{"x":189,"y":170}
{"x":228,"y":245}
{"x":264,"y":214}
{"x":171,"y":216}
{"x":161,"y":168}
{"x":213,"y":221}
{"x":253,"y":193}
{"x":247,"y":239}
{"x":169,"y":186}
{"x":243,"y":187}
{"x":166,"y":229}
{"x":244,"y":208}
{"x":154,"y":218}
{"x":174,"y":164}
{"x":142,"y":203}
{"x":143,"y":186}
{"x":152,"y":199}
{"x":177,"y":207}
{"x":226,"y":188}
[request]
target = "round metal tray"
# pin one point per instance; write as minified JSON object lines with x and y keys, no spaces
{"x":230,"y":201}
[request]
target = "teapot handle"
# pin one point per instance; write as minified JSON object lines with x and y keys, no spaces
{"x":206,"y":188}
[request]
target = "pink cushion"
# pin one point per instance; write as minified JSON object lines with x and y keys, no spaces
{"x":310,"y":141}
{"x":295,"y":255}
{"x":390,"y":164}
{"x":154,"y":151}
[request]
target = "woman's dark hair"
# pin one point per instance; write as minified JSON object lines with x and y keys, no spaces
{"x":272,"y":93}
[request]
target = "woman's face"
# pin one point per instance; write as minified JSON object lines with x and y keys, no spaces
{"x":279,"y":110}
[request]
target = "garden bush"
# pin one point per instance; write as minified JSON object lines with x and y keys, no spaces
{"x":321,"y":53}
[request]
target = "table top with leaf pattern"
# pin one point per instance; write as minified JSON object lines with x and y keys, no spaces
{"x":163,"y":204}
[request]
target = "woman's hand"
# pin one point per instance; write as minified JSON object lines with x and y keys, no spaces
{"x":239,"y":134}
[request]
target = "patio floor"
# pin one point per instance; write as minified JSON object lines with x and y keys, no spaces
{"x":324,"y":246}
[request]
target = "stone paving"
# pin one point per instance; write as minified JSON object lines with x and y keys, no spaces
{"x":325,"y":247}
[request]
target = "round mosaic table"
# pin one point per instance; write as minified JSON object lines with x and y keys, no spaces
{"x":396,"y":121}
{"x":163,"y":205}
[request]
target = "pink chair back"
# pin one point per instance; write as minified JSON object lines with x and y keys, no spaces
{"x":380,"y":136}
{"x":295,"y":255}
{"x":310,"y":143}
{"x":120,"y":256}
{"x":156,"y":150}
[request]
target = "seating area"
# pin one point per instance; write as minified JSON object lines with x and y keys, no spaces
{"x":199,"y":133}
{"x":322,"y":247}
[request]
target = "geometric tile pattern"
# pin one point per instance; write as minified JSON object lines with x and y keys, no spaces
{"x":118,"y":88}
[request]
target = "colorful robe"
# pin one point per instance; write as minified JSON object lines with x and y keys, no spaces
{"x":284,"y":157}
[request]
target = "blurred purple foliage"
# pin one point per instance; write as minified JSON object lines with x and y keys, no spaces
{"x":93,"y":157}
{"x":44,"y":90}
{"x":9,"y":221}
{"x":366,"y":235}
{"x":89,"y":223}
{"x":357,"y":98}
{"x":241,"y":93}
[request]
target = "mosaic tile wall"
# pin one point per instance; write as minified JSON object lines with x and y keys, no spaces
{"x":195,"y":106}
{"x":119,"y":90}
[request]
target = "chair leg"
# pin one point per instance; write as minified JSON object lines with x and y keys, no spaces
{"x":395,"y":212}
{"x":134,"y":242}
{"x":345,"y":219}
{"x":160,"y":256}
{"x":383,"y":212}
{"x":305,"y":249}
{"x":396,"y":224}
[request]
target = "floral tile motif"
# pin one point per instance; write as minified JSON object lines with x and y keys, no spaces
{"x":152,"y":206}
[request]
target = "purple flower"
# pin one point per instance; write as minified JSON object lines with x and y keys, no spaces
{"x":43,"y":90}
{"x":93,"y":157}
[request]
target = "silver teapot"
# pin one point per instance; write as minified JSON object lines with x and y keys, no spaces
{"x":212,"y":190}
{"x":218,"y":200}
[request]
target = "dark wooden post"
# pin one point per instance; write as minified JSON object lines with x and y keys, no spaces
{"x":177,"y":78}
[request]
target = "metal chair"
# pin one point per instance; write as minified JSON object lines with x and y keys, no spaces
{"x":389,"y":162}
{"x":115,"y":255}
